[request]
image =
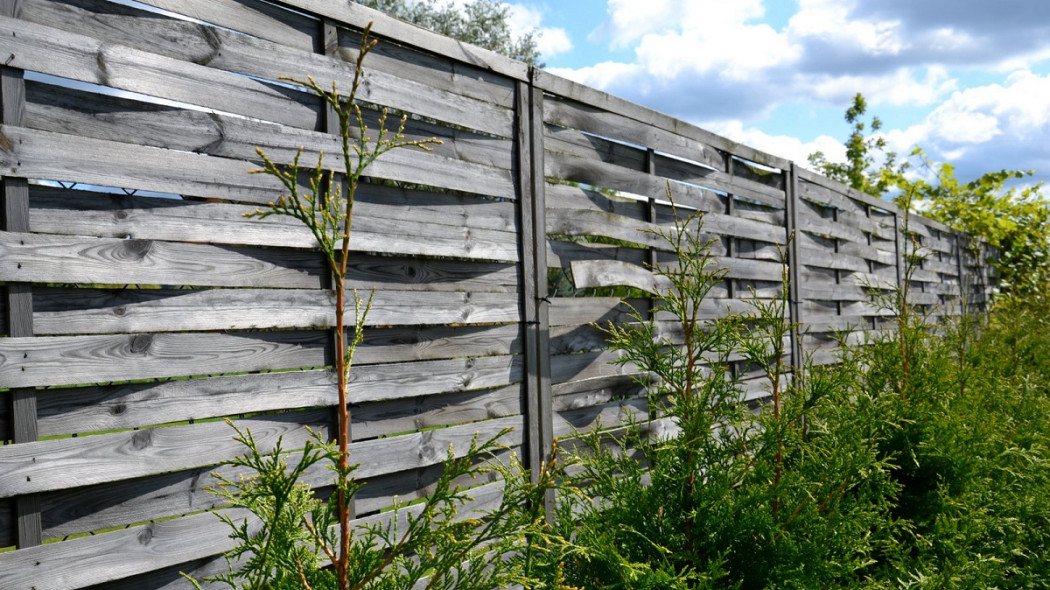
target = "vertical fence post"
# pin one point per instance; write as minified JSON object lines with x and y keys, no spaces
{"x":959,"y":269}
{"x":791,"y":204}
{"x":650,"y":214}
{"x":19,"y":296}
{"x":898,"y":252}
{"x":533,"y":227}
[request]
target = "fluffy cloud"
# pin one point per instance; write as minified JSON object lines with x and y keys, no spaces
{"x":784,"y":146}
{"x":704,"y":59}
{"x":1005,"y":33}
{"x":988,"y":127}
{"x":550,"y":41}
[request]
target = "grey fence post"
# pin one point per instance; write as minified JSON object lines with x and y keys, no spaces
{"x":899,"y":254}
{"x":19,"y":296}
{"x":535,"y":303}
{"x":791,"y":203}
{"x":960,"y":270}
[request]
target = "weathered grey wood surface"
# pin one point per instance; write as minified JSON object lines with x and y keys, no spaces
{"x":157,"y":309}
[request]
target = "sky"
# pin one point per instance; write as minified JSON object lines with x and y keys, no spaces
{"x":966,"y":80}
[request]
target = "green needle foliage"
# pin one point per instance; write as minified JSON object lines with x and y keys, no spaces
{"x":295,"y":538}
{"x":707,"y":493}
{"x":293,"y":534}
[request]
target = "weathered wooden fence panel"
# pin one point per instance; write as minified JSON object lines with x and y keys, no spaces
{"x":142,"y":308}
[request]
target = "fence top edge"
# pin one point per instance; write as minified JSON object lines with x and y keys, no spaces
{"x":564,"y":87}
{"x":846,"y":190}
{"x":358,"y":16}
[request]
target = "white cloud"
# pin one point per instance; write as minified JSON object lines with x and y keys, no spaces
{"x":832,"y":22}
{"x":784,"y":146}
{"x":987,"y":127}
{"x":630,"y":20}
{"x":600,"y":75}
{"x":904,"y":86}
{"x":714,"y":63}
{"x":550,"y":41}
{"x":705,"y":59}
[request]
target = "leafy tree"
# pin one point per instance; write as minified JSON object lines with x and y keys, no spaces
{"x":1014,"y":220}
{"x":858,"y":171}
{"x":484,"y":23}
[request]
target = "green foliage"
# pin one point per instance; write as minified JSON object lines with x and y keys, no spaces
{"x":970,"y":449}
{"x":707,"y":494}
{"x":423,"y":545}
{"x":1014,"y":220}
{"x":921,"y":460}
{"x":484,"y":23}
{"x":297,"y":539}
{"x":861,"y":152}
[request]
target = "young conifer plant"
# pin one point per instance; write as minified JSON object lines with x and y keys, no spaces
{"x":295,"y":539}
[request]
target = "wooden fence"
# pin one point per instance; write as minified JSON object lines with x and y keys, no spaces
{"x":136,"y":321}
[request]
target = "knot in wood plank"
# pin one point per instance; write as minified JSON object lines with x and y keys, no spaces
{"x":146,"y":535}
{"x":136,"y":249}
{"x":141,"y":343}
{"x":142,"y":439}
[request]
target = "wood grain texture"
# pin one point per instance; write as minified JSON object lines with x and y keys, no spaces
{"x":112,"y":559}
{"x":71,"y":360}
{"x":58,"y":259}
{"x":73,"y":462}
{"x":357,"y":16}
{"x":78,"y":57}
{"x":100,"y":408}
{"x":224,"y":50}
{"x":18,"y":298}
{"x":39,"y":154}
{"x":78,"y":563}
{"x":259,"y":19}
{"x":83,"y":311}
{"x":423,"y":230}
{"x":610,"y":273}
{"x":464,"y":161}
{"x":598,"y":100}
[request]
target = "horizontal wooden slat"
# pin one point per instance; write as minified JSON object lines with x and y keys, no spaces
{"x":44,"y":155}
{"x":611,"y":273}
{"x":391,"y":345}
{"x":72,"y":360}
{"x":358,"y":16}
{"x":34,"y":258}
{"x":79,"y":563}
{"x":230,"y":51}
{"x":61,"y":312}
{"x":560,"y":254}
{"x":101,"y":408}
{"x":420,"y":230}
{"x":73,"y":462}
{"x":463,"y":160}
{"x":610,"y":176}
{"x":70,"y":55}
{"x":806,"y":176}
{"x":256,"y":18}
{"x":568,"y":311}
{"x":144,"y":548}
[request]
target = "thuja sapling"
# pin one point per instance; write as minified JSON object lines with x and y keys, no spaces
{"x":327,"y":210}
{"x":788,"y":497}
{"x":301,"y":541}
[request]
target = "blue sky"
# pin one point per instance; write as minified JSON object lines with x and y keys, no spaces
{"x":968,"y":80}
